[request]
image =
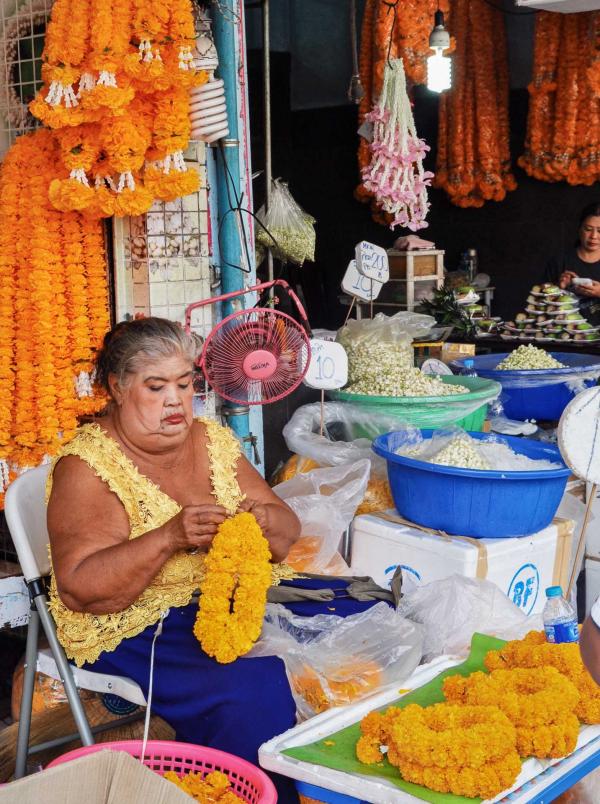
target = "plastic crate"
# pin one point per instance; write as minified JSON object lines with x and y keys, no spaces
{"x":470,"y":502}
{"x":250,"y":783}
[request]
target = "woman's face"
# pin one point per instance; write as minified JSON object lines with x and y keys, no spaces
{"x":155,"y":405}
{"x":589,"y":233}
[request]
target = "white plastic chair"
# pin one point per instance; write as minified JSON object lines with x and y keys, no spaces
{"x":25,"y":511}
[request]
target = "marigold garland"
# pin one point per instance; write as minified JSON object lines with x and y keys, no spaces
{"x":465,"y":750}
{"x":538,"y":702}
{"x":473,"y":159}
{"x":562,"y":142}
{"x":233,"y":594}
{"x":533,"y":651}
{"x":117,"y":96}
{"x":54,"y":308}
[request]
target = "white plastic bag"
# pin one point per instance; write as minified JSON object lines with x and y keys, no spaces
{"x":325,"y":501}
{"x":289,"y":231}
{"x":332,"y":661}
{"x":382,"y":344}
{"x":349,"y":431}
{"x":453,"y":609}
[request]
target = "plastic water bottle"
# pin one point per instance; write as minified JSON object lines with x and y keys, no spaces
{"x":468,"y":369}
{"x":560,"y":619}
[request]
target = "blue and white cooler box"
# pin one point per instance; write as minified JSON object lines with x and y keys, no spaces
{"x":522,"y":567}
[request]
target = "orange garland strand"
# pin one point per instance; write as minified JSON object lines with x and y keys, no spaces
{"x":117,"y":75}
{"x":54,"y":308}
{"x":473,"y":159}
{"x":562,"y":142}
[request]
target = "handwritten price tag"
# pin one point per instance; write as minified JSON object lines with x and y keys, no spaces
{"x":328,"y":367}
{"x":358,"y":285}
{"x":372,"y":261}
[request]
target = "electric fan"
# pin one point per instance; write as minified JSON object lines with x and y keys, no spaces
{"x":258,"y":355}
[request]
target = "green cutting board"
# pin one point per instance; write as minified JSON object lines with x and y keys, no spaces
{"x":340,"y":753}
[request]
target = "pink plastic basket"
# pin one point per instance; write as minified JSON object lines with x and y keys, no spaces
{"x":248,"y":781}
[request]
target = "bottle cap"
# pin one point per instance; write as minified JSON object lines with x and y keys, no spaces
{"x":554,"y":591}
{"x":469,"y":363}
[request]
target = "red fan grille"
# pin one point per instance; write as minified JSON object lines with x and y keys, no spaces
{"x":256,"y":356}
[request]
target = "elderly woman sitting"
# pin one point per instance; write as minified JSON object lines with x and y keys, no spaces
{"x":135,"y":500}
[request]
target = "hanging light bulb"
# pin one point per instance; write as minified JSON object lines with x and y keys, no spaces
{"x":438,"y":65}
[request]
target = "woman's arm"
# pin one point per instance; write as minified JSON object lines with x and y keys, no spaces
{"x":98,"y":568}
{"x":589,"y":646}
{"x":279,"y":523}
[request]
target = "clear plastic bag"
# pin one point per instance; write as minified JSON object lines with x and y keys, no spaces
{"x":453,"y":446}
{"x":349,"y":431}
{"x":383,"y":343}
{"x":325,"y":501}
{"x":453,"y":609}
{"x":332,"y":661}
{"x":289,"y":231}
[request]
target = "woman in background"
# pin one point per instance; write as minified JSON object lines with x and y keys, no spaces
{"x":581,"y":261}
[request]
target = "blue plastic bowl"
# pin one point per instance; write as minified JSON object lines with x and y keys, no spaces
{"x":545,"y":401}
{"x":470,"y":502}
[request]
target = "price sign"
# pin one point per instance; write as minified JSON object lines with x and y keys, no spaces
{"x":372,"y":261}
{"x":328,"y":367}
{"x":356,"y":284}
{"x":435,"y":367}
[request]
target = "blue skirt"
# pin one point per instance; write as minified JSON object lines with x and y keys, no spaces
{"x":234,"y":707}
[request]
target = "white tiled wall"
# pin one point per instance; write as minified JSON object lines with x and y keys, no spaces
{"x":162,"y":260}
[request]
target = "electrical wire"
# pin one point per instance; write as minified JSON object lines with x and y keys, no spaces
{"x":236,"y":208}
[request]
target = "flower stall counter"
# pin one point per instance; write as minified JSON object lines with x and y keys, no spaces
{"x":322,"y":750}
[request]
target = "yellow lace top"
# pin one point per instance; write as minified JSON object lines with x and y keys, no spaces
{"x":85,"y":636}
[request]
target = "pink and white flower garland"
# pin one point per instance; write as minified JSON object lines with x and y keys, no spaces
{"x":395,"y":175}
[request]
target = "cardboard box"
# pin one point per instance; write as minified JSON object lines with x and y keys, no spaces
{"x":522,"y":567}
{"x":105,"y":777}
{"x":417,"y":263}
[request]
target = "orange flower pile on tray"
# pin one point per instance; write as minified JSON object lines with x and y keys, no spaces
{"x":473,"y":157}
{"x":563,"y":125}
{"x":529,"y":704}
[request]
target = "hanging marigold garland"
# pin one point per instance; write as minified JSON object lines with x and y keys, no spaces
{"x":473,"y":158}
{"x":54,"y":308}
{"x":233,"y":594}
{"x":383,"y":38}
{"x":115,"y":99}
{"x":563,"y":138}
{"x":117,"y":75}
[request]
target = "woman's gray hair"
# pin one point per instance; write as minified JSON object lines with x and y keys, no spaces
{"x":132,"y":344}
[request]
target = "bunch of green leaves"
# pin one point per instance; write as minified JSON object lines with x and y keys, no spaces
{"x":446,"y":310}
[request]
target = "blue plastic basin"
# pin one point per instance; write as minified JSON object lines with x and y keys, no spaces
{"x":545,"y":400}
{"x":469,"y":502}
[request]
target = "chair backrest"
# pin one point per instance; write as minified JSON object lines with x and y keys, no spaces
{"x":25,"y":510}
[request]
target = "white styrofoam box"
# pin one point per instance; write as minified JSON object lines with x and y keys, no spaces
{"x":522,"y":567}
{"x":592,"y":582}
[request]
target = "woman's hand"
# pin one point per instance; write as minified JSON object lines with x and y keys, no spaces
{"x":194,"y":527}
{"x":259,"y":511}
{"x":566,"y":278}
{"x":590,"y":291}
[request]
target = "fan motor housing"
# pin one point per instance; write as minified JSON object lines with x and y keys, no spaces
{"x":259,"y":364}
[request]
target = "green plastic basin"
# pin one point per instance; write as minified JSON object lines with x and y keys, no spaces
{"x":432,"y":412}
